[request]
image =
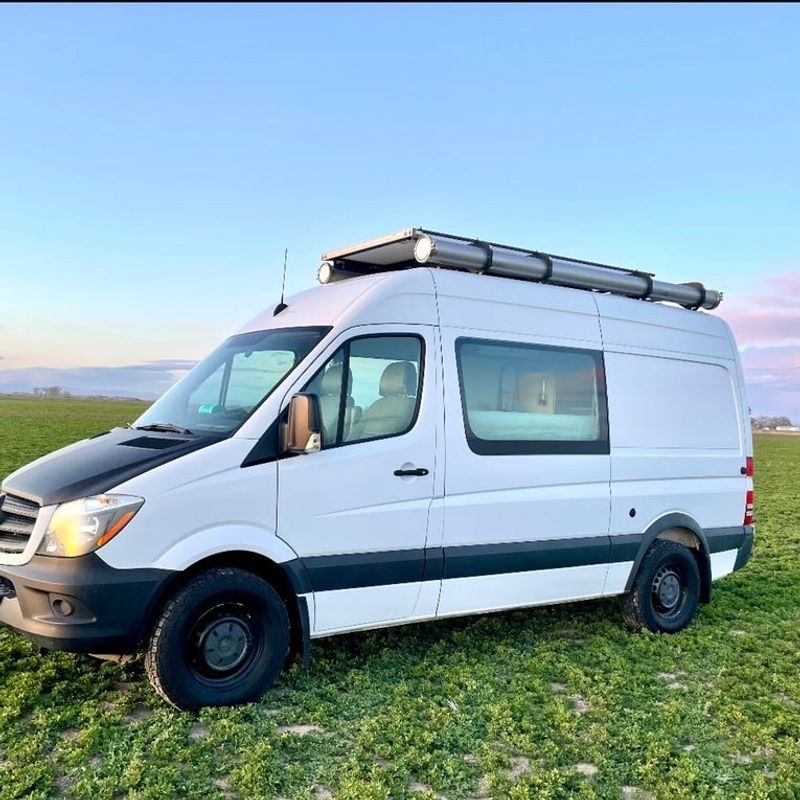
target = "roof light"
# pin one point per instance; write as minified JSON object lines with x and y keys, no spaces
{"x":325,"y":272}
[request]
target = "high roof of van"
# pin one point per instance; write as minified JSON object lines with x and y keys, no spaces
{"x":406,"y":296}
{"x":426,"y":296}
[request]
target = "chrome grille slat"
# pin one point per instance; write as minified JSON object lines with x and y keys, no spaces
{"x":17,"y":520}
{"x":12,"y":545}
{"x":16,"y":528}
{"x":19,"y":507}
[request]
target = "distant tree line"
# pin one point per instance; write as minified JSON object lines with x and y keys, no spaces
{"x":50,"y":391}
{"x":762,"y":423}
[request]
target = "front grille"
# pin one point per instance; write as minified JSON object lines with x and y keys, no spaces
{"x":17,"y":518}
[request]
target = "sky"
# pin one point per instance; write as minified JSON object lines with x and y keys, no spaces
{"x":156,"y":160}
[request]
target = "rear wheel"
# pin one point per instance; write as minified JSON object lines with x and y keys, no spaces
{"x":221,"y":640}
{"x":666,"y":592}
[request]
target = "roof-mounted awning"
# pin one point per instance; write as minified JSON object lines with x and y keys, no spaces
{"x":413,"y":247}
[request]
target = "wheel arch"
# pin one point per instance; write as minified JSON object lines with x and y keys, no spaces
{"x":288,"y":578}
{"x":684,"y":530}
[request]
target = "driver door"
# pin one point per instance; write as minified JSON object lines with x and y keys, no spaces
{"x":356,"y":512}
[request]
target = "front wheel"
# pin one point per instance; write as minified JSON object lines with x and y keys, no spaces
{"x":221,"y":640}
{"x":666,"y":592}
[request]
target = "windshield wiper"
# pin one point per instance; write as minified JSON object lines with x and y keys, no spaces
{"x":164,"y":427}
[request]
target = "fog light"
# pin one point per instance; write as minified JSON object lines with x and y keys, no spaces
{"x":63,"y":607}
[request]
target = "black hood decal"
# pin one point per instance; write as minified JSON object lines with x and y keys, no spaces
{"x":100,"y":463}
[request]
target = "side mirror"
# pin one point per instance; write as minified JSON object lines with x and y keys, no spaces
{"x":304,"y":427}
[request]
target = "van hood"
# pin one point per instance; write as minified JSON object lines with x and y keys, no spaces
{"x":96,"y":465}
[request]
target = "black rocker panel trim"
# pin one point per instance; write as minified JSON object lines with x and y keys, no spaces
{"x":359,"y":570}
{"x":469,"y":561}
{"x":626,"y":546}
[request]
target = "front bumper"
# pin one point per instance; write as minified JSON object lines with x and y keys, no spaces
{"x":80,"y":604}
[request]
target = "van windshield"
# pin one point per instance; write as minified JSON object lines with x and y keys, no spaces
{"x":221,"y":392}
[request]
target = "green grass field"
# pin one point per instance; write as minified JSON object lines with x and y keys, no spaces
{"x":546,"y":703}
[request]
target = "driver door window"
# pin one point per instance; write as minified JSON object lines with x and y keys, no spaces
{"x":369,"y":389}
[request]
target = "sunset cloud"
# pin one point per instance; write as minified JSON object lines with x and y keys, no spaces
{"x":767,"y":329}
{"x":772,"y":375}
{"x":772,"y":315}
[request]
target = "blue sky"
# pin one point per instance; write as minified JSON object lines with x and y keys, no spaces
{"x":155,"y":161}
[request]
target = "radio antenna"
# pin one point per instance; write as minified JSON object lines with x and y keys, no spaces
{"x":281,"y":306}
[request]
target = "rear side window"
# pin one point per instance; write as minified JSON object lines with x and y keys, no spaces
{"x":532,"y":399}
{"x":369,"y":389}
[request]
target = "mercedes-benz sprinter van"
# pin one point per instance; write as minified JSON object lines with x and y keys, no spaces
{"x":423,"y":436}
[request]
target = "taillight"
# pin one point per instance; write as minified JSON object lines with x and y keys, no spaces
{"x":749,"y":467}
{"x":748,"y":508}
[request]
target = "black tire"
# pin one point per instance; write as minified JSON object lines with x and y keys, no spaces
{"x":221,"y":640}
{"x":666,"y":591}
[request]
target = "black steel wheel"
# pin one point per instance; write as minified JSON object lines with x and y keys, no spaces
{"x":666,"y":592}
{"x":222,"y":639}
{"x":669,"y":591}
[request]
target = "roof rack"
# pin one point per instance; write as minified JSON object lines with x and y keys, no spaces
{"x":412,"y":247}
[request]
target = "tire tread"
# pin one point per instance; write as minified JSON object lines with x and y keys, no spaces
{"x":635,"y":613}
{"x":157,"y":664}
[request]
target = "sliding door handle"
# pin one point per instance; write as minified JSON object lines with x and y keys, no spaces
{"x":418,"y":471}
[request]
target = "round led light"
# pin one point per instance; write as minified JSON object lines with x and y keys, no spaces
{"x":423,"y":249}
{"x":325,"y":272}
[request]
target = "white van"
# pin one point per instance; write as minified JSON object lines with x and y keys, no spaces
{"x":422,"y":436}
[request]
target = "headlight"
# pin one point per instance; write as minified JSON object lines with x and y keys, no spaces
{"x":81,"y":526}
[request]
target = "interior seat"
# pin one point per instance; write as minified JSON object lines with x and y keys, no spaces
{"x":393,"y":411}
{"x":330,"y":396}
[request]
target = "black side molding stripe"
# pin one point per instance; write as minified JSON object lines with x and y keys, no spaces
{"x":359,"y":570}
{"x":625,"y":546}
{"x":356,"y":570}
{"x":497,"y":559}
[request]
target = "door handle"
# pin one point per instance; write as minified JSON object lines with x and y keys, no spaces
{"x":418,"y":471}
